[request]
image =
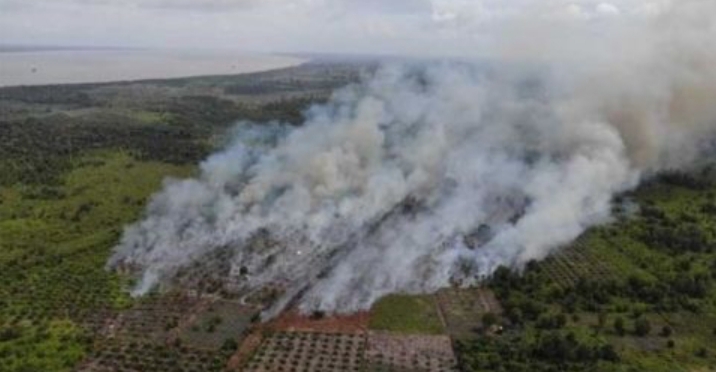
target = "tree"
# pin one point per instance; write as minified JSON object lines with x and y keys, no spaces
{"x":515,"y":316}
{"x":601,"y":320}
{"x":9,"y":334}
{"x":489,"y":319}
{"x":584,"y":352}
{"x":619,"y":326}
{"x":666,"y":331}
{"x":561,"y":320}
{"x":642,"y":327}
{"x":607,"y":352}
{"x":229,"y":345}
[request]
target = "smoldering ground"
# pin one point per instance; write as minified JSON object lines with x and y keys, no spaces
{"x":429,"y":174}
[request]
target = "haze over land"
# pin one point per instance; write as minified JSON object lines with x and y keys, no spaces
{"x":430,"y":174}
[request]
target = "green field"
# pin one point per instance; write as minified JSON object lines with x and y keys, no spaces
{"x":406,"y":314}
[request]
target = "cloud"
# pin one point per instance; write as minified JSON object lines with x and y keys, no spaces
{"x":374,"y":6}
{"x":449,"y":27}
{"x":187,"y":4}
{"x":607,"y":9}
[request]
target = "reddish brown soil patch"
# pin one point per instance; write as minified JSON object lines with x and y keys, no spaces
{"x":294,"y":321}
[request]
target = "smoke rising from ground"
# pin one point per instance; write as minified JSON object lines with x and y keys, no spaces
{"x":429,"y":174}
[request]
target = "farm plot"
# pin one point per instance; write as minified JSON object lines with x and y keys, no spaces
{"x":124,"y":356}
{"x":155,"y":335}
{"x":568,"y":265}
{"x":219,"y":322}
{"x":408,"y":314}
{"x":462,"y":309}
{"x":308,"y":352}
{"x":154,"y":318}
{"x":414,"y":353}
{"x":98,"y":322}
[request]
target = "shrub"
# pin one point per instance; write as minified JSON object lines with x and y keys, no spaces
{"x":666,"y":331}
{"x":619,"y":326}
{"x":489,"y":319}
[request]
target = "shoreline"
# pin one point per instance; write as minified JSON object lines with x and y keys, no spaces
{"x":61,"y":67}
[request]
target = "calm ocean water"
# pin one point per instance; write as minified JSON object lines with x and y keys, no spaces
{"x":89,"y":66}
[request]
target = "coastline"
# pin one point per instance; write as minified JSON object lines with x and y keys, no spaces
{"x":52,"y":67}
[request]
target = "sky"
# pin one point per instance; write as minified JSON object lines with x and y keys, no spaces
{"x":396,"y":27}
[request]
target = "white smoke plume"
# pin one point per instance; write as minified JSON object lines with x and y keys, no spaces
{"x":429,"y":174}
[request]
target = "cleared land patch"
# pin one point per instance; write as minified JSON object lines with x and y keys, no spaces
{"x":415,"y":353}
{"x":218,"y":324}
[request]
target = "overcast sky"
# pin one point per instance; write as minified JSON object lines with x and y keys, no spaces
{"x":437,"y":27}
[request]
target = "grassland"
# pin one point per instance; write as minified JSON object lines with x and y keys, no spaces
{"x":406,"y":314}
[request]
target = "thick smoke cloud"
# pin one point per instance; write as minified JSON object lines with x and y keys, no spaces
{"x":430,"y":174}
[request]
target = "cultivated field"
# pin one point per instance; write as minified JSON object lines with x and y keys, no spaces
{"x":308,"y":352}
{"x":417,"y":353}
{"x":463,"y":309}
